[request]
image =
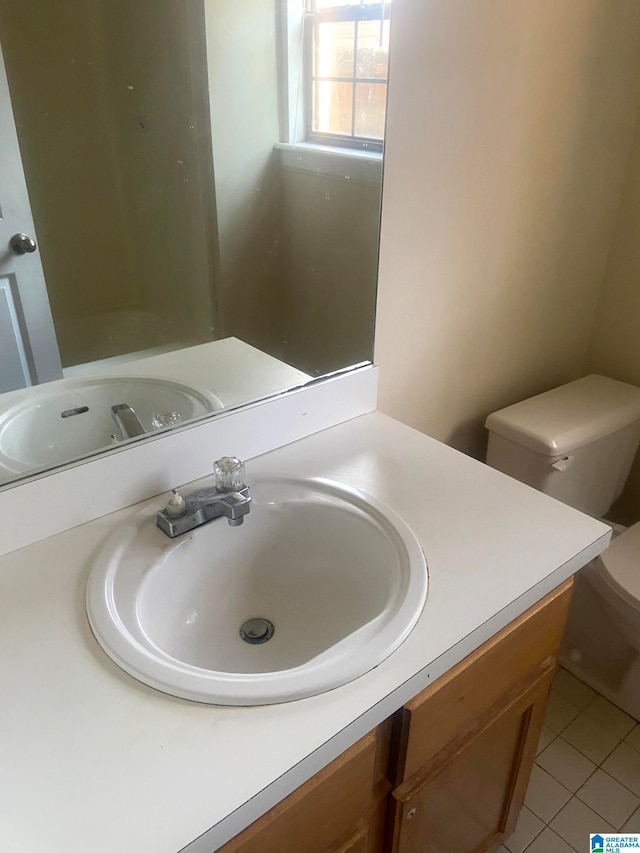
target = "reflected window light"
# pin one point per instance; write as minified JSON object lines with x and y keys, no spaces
{"x":347,"y":65}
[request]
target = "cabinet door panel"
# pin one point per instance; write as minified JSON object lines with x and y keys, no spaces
{"x":438,"y":714}
{"x":331,"y":813}
{"x":467,"y":798}
{"x":356,"y":843}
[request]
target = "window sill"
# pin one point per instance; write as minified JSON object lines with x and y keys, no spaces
{"x":346,"y":164}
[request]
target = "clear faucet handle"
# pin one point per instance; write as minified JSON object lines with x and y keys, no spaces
{"x":229,"y":473}
{"x":160,"y":420}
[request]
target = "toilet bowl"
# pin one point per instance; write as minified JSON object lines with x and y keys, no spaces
{"x":601,"y":644}
{"x":615,"y":575}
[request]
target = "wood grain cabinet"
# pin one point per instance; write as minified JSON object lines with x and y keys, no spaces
{"x":467,"y":797}
{"x":448,"y":773}
{"x":342,"y":809}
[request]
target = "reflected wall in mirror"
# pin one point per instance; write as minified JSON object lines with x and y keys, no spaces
{"x":204,"y":203}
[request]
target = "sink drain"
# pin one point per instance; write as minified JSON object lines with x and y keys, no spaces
{"x":257,"y":631}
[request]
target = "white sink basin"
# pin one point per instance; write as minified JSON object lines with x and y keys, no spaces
{"x":52,"y":426}
{"x":342,"y":579}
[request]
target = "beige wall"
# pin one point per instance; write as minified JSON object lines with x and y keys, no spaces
{"x":614,"y":348}
{"x":509,"y":128}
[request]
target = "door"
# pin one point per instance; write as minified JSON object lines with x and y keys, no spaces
{"x":28,"y":348}
{"x":467,"y":799}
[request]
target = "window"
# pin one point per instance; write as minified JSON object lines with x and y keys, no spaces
{"x":347,"y":61}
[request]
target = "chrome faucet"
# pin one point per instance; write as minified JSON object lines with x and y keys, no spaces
{"x":126,"y":420}
{"x":230,"y":497}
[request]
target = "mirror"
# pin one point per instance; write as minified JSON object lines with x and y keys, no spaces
{"x":203,"y":182}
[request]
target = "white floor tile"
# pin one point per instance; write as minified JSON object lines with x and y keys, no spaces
{"x":545,"y":796}
{"x":633,"y":738}
{"x":560,"y":712}
{"x":576,"y":821}
{"x":527,"y":828}
{"x":608,"y":798}
{"x":633,"y":824}
{"x":624,"y":765}
{"x":568,"y":766}
{"x":613,"y":719}
{"x":576,"y":691}
{"x":546,"y":736}
{"x":590,"y":738}
{"x":549,"y":842}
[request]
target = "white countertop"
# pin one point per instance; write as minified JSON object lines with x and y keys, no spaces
{"x":94,"y":761}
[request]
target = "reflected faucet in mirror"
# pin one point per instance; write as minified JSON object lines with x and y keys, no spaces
{"x":223,"y":231}
{"x":126,"y":420}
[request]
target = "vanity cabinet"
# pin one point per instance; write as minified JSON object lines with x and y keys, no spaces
{"x":467,"y":797}
{"x":447,"y":773}
{"x":342,"y":809}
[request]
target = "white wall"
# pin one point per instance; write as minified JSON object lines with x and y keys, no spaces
{"x":509,"y":128}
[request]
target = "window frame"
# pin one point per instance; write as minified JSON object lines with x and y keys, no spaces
{"x":356,"y":12}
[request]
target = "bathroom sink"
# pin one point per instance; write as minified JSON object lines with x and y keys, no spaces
{"x":319,"y":585}
{"x":51,"y":426}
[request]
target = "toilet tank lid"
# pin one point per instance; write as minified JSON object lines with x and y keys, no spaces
{"x":568,"y":417}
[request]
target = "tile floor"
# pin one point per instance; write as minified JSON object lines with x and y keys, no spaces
{"x":586,"y":777}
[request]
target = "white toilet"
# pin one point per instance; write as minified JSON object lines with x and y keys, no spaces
{"x":576,"y":443}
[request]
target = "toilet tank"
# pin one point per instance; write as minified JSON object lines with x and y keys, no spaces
{"x":575,"y":443}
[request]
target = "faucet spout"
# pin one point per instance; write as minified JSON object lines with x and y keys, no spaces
{"x":127,"y":421}
{"x":236,"y":506}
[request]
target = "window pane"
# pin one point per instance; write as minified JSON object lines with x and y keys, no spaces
{"x":332,"y":107}
{"x":334,"y":49}
{"x":373,"y":49}
{"x":370,"y":106}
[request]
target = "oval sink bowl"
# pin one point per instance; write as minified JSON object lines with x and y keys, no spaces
{"x":338,"y":577}
{"x":52,"y":426}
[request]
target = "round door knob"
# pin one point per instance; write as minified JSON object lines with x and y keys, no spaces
{"x":21,"y":244}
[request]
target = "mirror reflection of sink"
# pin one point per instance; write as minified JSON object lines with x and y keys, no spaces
{"x":318,"y":586}
{"x":52,"y":426}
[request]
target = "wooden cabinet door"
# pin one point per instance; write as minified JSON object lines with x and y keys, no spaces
{"x":356,"y":843}
{"x":437,"y":716}
{"x":467,"y":798}
{"x":339,"y":810}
